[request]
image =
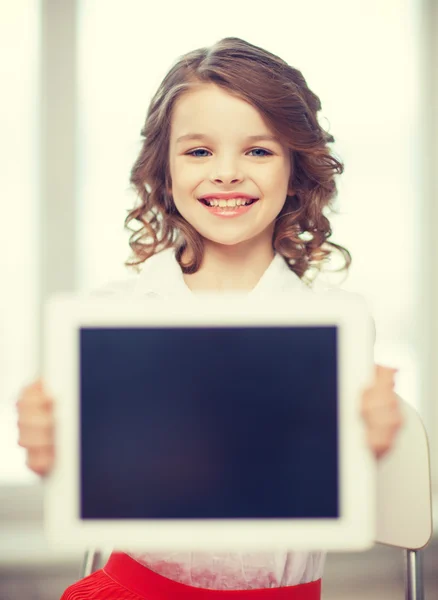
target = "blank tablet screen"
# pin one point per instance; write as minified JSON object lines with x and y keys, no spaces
{"x":209,"y":423}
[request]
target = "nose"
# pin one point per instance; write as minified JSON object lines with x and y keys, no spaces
{"x":226,"y":173}
{"x":226,"y":179}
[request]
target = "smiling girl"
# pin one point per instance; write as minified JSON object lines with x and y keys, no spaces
{"x":235,"y":178}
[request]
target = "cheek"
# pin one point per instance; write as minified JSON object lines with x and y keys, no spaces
{"x":185,"y":203}
{"x":185,"y":182}
{"x":274,"y":181}
{"x":275,"y":186}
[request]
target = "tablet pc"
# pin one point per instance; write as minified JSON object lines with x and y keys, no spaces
{"x":216,"y":424}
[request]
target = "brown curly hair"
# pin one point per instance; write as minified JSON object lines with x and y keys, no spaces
{"x":280,"y":93}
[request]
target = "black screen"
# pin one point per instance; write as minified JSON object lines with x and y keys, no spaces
{"x":208,"y":423}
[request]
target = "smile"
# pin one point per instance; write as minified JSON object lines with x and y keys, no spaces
{"x":227,"y":203}
{"x":228,"y":208}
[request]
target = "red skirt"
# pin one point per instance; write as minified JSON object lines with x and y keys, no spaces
{"x":123,"y":578}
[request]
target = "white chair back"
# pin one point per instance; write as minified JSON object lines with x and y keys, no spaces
{"x":404,"y":495}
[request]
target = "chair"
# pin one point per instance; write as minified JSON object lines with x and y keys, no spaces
{"x":404,"y":499}
{"x":404,"y":502}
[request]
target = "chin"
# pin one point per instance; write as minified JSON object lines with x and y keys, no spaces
{"x":232,"y":232}
{"x":227,"y":238}
{"x":227,"y":242}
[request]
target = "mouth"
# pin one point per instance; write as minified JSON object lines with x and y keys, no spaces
{"x":224,"y":209}
{"x":234,"y":203}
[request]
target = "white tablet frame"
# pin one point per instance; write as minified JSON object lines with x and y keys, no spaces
{"x":353,"y":530}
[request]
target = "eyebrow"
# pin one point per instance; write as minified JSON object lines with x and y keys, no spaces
{"x":250,"y":138}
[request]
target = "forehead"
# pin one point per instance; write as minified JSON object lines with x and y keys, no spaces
{"x":213,"y":111}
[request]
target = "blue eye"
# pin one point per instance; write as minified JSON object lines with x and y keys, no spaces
{"x":266,"y":152}
{"x":192,"y":153}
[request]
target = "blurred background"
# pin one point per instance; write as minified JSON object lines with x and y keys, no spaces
{"x":77,"y":78}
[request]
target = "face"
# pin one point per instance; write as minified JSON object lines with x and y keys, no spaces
{"x":223,"y":158}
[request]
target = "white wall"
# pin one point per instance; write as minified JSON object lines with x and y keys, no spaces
{"x":19,"y":223}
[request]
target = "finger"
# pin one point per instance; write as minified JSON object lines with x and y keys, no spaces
{"x":382,"y":415}
{"x":32,"y":394}
{"x":34,"y":400}
{"x":35,"y":386}
{"x":380,"y":389}
{"x":382,"y":418}
{"x":376,"y":399}
{"x":34,"y":420}
{"x":386,"y":422}
{"x":380,"y":442}
{"x":382,"y":369}
{"x":376,"y":412}
{"x":41,"y":461}
{"x":35,"y":438}
{"x":384,"y":375}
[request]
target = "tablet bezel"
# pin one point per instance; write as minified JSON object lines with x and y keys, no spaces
{"x":353,"y":530}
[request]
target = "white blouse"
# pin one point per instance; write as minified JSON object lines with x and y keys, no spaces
{"x":161,"y":277}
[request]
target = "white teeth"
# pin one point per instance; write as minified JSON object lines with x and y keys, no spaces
{"x":224,"y":203}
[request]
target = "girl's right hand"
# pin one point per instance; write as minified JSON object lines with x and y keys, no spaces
{"x":36,"y":428}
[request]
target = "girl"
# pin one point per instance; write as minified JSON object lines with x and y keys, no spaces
{"x":234,"y":179}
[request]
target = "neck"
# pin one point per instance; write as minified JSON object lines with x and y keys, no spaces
{"x":231,"y":268}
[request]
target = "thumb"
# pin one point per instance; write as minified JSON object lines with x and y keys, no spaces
{"x":385,"y":374}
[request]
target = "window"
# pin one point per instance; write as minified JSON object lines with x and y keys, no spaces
{"x":19,"y":230}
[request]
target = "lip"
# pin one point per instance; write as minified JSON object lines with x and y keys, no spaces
{"x":228,"y":196}
{"x":227,"y":213}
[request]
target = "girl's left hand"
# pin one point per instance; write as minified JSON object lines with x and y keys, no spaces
{"x":381,"y":411}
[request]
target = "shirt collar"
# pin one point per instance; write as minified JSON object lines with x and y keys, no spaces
{"x":161,"y":276}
